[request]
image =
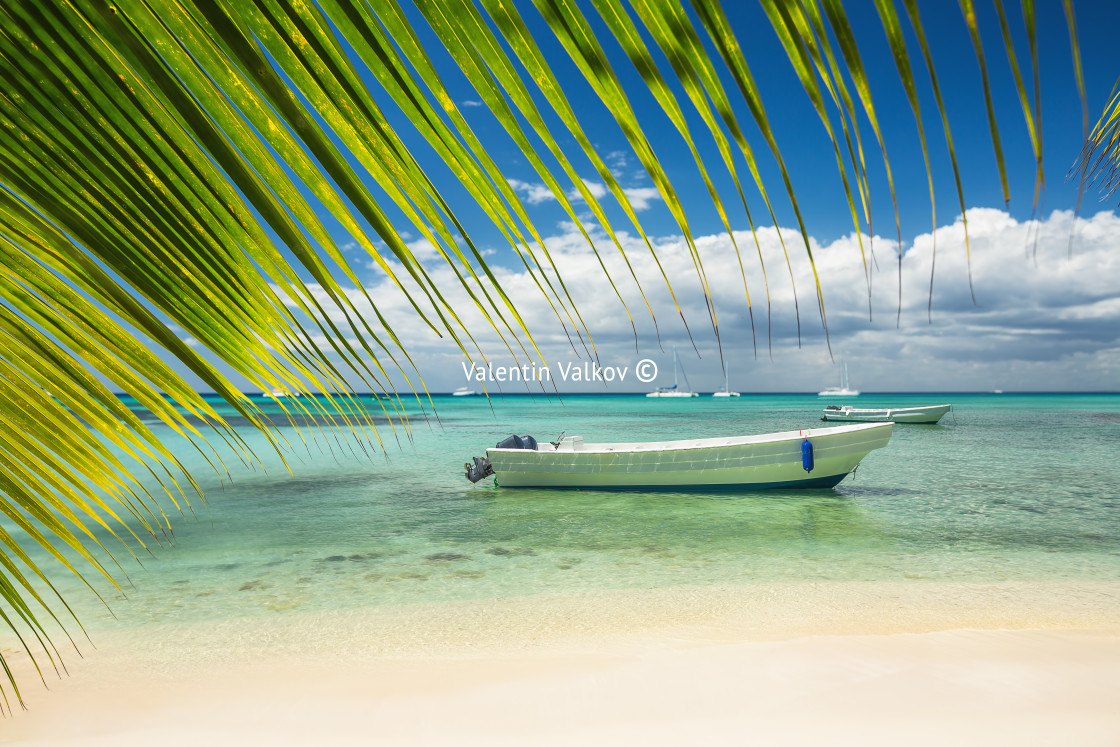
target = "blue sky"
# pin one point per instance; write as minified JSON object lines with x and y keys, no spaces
{"x":802,"y":138}
{"x":1057,"y":338}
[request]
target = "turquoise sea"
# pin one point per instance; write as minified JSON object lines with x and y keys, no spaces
{"x":1008,"y":488}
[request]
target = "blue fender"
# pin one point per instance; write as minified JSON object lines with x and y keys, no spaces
{"x":807,"y":455}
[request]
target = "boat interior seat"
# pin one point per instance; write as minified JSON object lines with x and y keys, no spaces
{"x":570,"y":443}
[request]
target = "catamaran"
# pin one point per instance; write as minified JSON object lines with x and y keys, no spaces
{"x":811,"y":458}
{"x":672,"y":391}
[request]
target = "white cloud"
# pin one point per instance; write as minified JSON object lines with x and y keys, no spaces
{"x":641,"y":197}
{"x":596,"y":189}
{"x":618,"y":161}
{"x":535,"y":193}
{"x":1042,"y":320}
{"x":423,"y":249}
{"x":470,"y":104}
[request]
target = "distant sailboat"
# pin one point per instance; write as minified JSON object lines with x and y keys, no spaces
{"x":725,"y":392}
{"x":672,"y":391}
{"x":844,"y":390}
{"x":464,"y":392}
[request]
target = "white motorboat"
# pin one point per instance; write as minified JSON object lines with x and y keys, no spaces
{"x":465,"y":392}
{"x":844,"y":390}
{"x":848,"y":414}
{"x":672,"y":391}
{"x":726,"y":391}
{"x":812,"y":458}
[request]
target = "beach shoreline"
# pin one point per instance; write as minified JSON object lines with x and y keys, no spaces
{"x":995,"y":663}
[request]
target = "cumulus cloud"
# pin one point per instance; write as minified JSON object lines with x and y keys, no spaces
{"x":535,"y":193}
{"x":641,"y":197}
{"x":618,"y":161}
{"x":423,"y":249}
{"x":598,"y":190}
{"x":1041,"y":319}
{"x":617,"y":158}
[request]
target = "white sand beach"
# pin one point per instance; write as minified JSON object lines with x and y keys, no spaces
{"x":918,"y":663}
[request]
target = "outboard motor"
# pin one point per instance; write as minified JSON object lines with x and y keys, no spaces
{"x":480,"y":469}
{"x":517,"y":442}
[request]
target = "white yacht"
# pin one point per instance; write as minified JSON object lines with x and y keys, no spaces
{"x":726,"y":391}
{"x":844,"y":390}
{"x":673,"y":391}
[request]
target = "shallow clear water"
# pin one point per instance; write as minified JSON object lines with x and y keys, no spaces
{"x":1010,"y":487}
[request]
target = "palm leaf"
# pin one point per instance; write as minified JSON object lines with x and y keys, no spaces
{"x":169,"y":170}
{"x":1099,"y":162}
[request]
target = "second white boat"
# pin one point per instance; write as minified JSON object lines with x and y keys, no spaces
{"x":925,"y":415}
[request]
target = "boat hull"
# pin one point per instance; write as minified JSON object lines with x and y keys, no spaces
{"x":740,"y":463}
{"x":915,"y":415}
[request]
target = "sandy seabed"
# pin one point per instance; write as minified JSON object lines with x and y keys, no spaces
{"x":916,"y":663}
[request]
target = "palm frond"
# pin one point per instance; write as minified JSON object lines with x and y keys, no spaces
{"x":1099,"y":162}
{"x":174,"y":175}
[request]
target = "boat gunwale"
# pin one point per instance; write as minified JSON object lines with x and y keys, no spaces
{"x":706,"y":443}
